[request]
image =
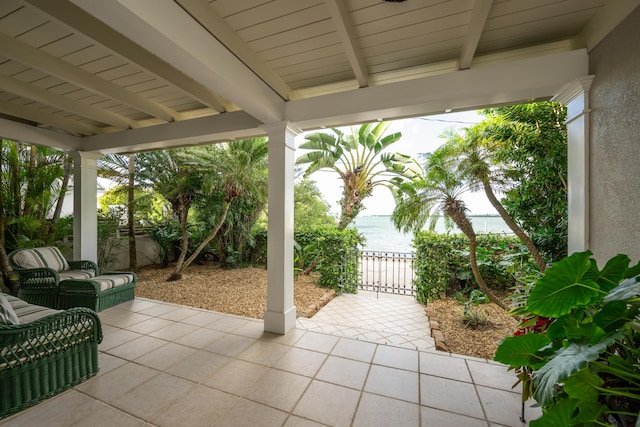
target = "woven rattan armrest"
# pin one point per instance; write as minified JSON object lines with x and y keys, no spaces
{"x":37,"y":276}
{"x":23,"y":343}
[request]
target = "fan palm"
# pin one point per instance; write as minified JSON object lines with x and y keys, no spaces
{"x":438,"y":191}
{"x":358,"y":160}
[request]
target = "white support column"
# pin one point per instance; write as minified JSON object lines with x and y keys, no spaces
{"x":85,"y":202}
{"x":575,"y":96}
{"x":280,"y":316}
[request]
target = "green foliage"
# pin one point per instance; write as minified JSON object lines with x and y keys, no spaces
{"x":534,"y":153}
{"x":472,"y":313}
{"x":108,"y":241}
{"x":310,"y":208}
{"x":442,"y":263}
{"x":577,"y":350}
{"x":359,"y":161}
{"x":150,"y":207}
{"x":331,"y":249}
{"x":166,"y":235}
{"x":335,"y":249}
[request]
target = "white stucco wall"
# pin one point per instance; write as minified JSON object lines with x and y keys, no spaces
{"x":615,"y":142}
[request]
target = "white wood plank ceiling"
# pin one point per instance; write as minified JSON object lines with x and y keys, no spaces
{"x":86,"y":67}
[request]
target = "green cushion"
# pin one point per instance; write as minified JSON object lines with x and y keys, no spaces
{"x":7,"y":315}
{"x":49,"y":256}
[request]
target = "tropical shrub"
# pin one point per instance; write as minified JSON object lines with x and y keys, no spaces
{"x":442,"y":263}
{"x":167,"y":236}
{"x":109,"y":243}
{"x":577,"y":350}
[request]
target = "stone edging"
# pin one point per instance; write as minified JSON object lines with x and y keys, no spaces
{"x":436,"y":333}
{"x":316,"y":306}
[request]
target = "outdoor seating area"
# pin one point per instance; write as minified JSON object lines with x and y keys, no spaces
{"x":163,"y":364}
{"x":50,"y":280}
{"x":43,"y":351}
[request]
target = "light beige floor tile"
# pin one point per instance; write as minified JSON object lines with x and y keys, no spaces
{"x":290,"y":338}
{"x":301,"y":361}
{"x":109,"y":416}
{"x":149,"y":398}
{"x":252,"y":329}
{"x":112,"y":384}
{"x":504,"y":407}
{"x":278,"y":389}
{"x":382,"y":411}
{"x":200,"y":338}
{"x":317,"y":342}
{"x":150,"y":325}
{"x":328,"y":404}
{"x":354,"y":349}
{"x":123,"y":319}
{"x":203,"y":318}
{"x":445,"y":366}
{"x":198,"y":366}
{"x":436,"y":418}
{"x":136,"y":348}
{"x":202,"y":406}
{"x":107,"y":363}
{"x":395,"y":357}
{"x":117,"y":337}
{"x":230,"y":345}
{"x":165,"y":356}
{"x":62,"y":411}
{"x":137,"y":304}
{"x":227,"y":323}
{"x":158,"y":309}
{"x":237,"y":377}
{"x":294,"y":421}
{"x":264,"y":352}
{"x":173,"y":331}
{"x":450,"y":395}
{"x":392,"y":382}
{"x":250,"y":414}
{"x":179,"y":314}
{"x":344,"y":372}
{"x":491,"y":375}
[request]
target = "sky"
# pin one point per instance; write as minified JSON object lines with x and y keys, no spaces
{"x":419,"y":135}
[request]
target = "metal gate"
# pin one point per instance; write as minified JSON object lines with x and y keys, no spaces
{"x":389,"y":272}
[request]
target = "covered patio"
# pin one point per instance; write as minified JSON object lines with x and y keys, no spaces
{"x":168,"y":365}
{"x":126,"y":76}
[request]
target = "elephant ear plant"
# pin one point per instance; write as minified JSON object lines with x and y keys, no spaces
{"x":577,"y":350}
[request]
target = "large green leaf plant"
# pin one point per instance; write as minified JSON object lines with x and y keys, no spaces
{"x":576,"y":352}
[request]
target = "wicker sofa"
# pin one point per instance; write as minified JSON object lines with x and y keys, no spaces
{"x":43,"y":351}
{"x":48,"y":279}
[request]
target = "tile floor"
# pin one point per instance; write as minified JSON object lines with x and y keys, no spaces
{"x":353,"y":364}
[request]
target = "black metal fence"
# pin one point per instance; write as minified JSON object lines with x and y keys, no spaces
{"x":388,"y":272}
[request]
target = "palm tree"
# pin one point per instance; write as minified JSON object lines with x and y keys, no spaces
{"x":358,"y":160}
{"x":439,"y":190}
{"x":233,"y":170}
{"x":121,"y":169}
{"x":478,"y":165}
{"x":169,"y":173}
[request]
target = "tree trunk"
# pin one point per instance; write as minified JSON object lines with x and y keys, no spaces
{"x":133,"y":258}
{"x":207,"y":239}
{"x":177,"y":271}
{"x":533,"y":250}
{"x":456,"y":213}
{"x":68,"y":164}
{"x":28,"y":194}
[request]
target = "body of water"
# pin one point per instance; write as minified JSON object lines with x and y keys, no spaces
{"x":382,"y":236}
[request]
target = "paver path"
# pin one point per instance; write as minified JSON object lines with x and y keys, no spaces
{"x":382,"y":318}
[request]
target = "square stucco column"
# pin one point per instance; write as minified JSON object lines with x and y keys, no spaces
{"x":280,"y":316}
{"x":85,"y":202}
{"x":575,"y":96}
